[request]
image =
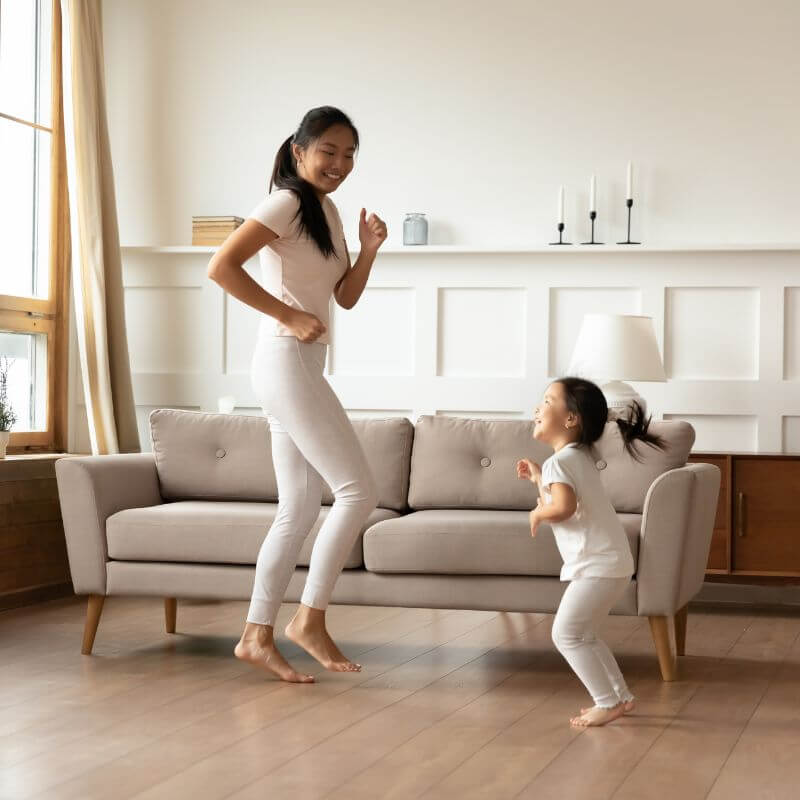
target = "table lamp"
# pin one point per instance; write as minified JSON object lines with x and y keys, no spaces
{"x":615,"y":348}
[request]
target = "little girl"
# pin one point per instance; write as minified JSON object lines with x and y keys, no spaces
{"x":597,"y":559}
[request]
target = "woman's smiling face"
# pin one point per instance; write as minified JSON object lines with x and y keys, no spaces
{"x":326,"y":162}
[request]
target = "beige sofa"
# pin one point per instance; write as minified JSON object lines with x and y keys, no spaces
{"x":450,"y":531}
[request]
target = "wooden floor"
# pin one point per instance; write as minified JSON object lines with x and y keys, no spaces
{"x":450,"y":704}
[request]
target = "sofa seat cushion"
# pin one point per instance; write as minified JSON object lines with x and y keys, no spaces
{"x":471,"y":542}
{"x":209,"y":532}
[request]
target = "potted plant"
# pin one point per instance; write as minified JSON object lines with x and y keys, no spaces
{"x":7,"y":415}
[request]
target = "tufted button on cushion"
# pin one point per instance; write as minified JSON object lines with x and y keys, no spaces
{"x":485,"y":462}
{"x":220,"y":453}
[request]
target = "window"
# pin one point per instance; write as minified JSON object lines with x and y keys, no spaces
{"x":32,"y":299}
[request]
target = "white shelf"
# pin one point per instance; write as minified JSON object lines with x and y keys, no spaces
{"x":521,"y":249}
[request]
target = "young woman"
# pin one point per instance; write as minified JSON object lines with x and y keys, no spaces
{"x":298,"y":234}
{"x":597,"y":559}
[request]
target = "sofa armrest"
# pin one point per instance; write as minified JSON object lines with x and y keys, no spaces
{"x":677,"y":526}
{"x":91,"y":489}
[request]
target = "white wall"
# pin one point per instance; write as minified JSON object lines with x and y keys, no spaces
{"x":473,"y":112}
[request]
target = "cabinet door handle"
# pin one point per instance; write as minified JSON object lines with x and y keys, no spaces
{"x":740,"y":515}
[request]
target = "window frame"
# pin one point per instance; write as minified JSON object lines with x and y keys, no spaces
{"x":48,"y":316}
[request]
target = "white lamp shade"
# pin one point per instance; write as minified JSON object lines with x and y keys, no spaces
{"x":617,"y":347}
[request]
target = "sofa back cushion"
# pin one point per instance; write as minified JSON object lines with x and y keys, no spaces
{"x":626,"y":480}
{"x":203,"y":456}
{"x":229,"y":456}
{"x":387,"y":445}
{"x":471,"y":463}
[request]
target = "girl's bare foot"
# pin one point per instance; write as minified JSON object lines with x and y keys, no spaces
{"x":598,"y":716}
{"x":258,"y":648}
{"x":316,"y":641}
{"x":627,"y":707}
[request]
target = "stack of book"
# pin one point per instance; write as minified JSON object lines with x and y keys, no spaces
{"x":213,"y":230}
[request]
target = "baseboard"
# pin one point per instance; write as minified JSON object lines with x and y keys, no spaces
{"x":746,"y":594}
{"x":34,"y":594}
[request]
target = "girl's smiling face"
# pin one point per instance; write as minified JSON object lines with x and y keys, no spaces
{"x":553,"y":421}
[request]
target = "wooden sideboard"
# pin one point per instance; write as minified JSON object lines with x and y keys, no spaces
{"x":757,"y":529}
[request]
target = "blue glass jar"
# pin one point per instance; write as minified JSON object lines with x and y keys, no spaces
{"x":415,"y":229}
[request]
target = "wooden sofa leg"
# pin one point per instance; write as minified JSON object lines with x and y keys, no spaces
{"x":659,"y":627}
{"x":94,"y":609}
{"x":680,"y":630}
{"x":170,"y":613}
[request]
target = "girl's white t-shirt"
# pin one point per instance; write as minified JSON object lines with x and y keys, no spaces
{"x":292,"y":267}
{"x":592,"y":542}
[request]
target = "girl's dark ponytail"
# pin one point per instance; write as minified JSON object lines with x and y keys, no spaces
{"x":586,"y":399}
{"x":312,"y":220}
{"x":634,"y":426}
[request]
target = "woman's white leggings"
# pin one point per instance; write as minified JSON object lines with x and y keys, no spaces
{"x":312,"y":440}
{"x":585,"y":603}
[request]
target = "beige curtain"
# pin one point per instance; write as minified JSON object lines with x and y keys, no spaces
{"x":96,"y":261}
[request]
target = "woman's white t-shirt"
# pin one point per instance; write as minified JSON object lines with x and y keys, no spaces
{"x":293,"y":268}
{"x":592,"y":542}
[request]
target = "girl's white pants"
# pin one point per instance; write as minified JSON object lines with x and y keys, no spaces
{"x":312,"y":440}
{"x":585,"y":603}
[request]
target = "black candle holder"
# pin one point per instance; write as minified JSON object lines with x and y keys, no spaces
{"x":592,"y":217}
{"x":560,"y":235}
{"x":629,"y":203}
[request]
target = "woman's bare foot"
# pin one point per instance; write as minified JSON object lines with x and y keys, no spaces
{"x":597,"y":716}
{"x":307,"y":629}
{"x":627,"y":707}
{"x":257,"y":647}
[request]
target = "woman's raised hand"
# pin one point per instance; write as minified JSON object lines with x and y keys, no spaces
{"x":528,"y":470}
{"x":372,"y":231}
{"x":306,"y":327}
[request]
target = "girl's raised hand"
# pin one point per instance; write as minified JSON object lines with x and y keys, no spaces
{"x":528,"y":470}
{"x":372,"y":231}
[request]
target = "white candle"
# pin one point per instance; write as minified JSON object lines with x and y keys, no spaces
{"x":593,"y":194}
{"x":561,"y":204}
{"x":629,"y":195}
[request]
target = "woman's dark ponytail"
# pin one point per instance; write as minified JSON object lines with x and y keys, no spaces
{"x":284,"y":171}
{"x":312,"y":220}
{"x":634,"y":426}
